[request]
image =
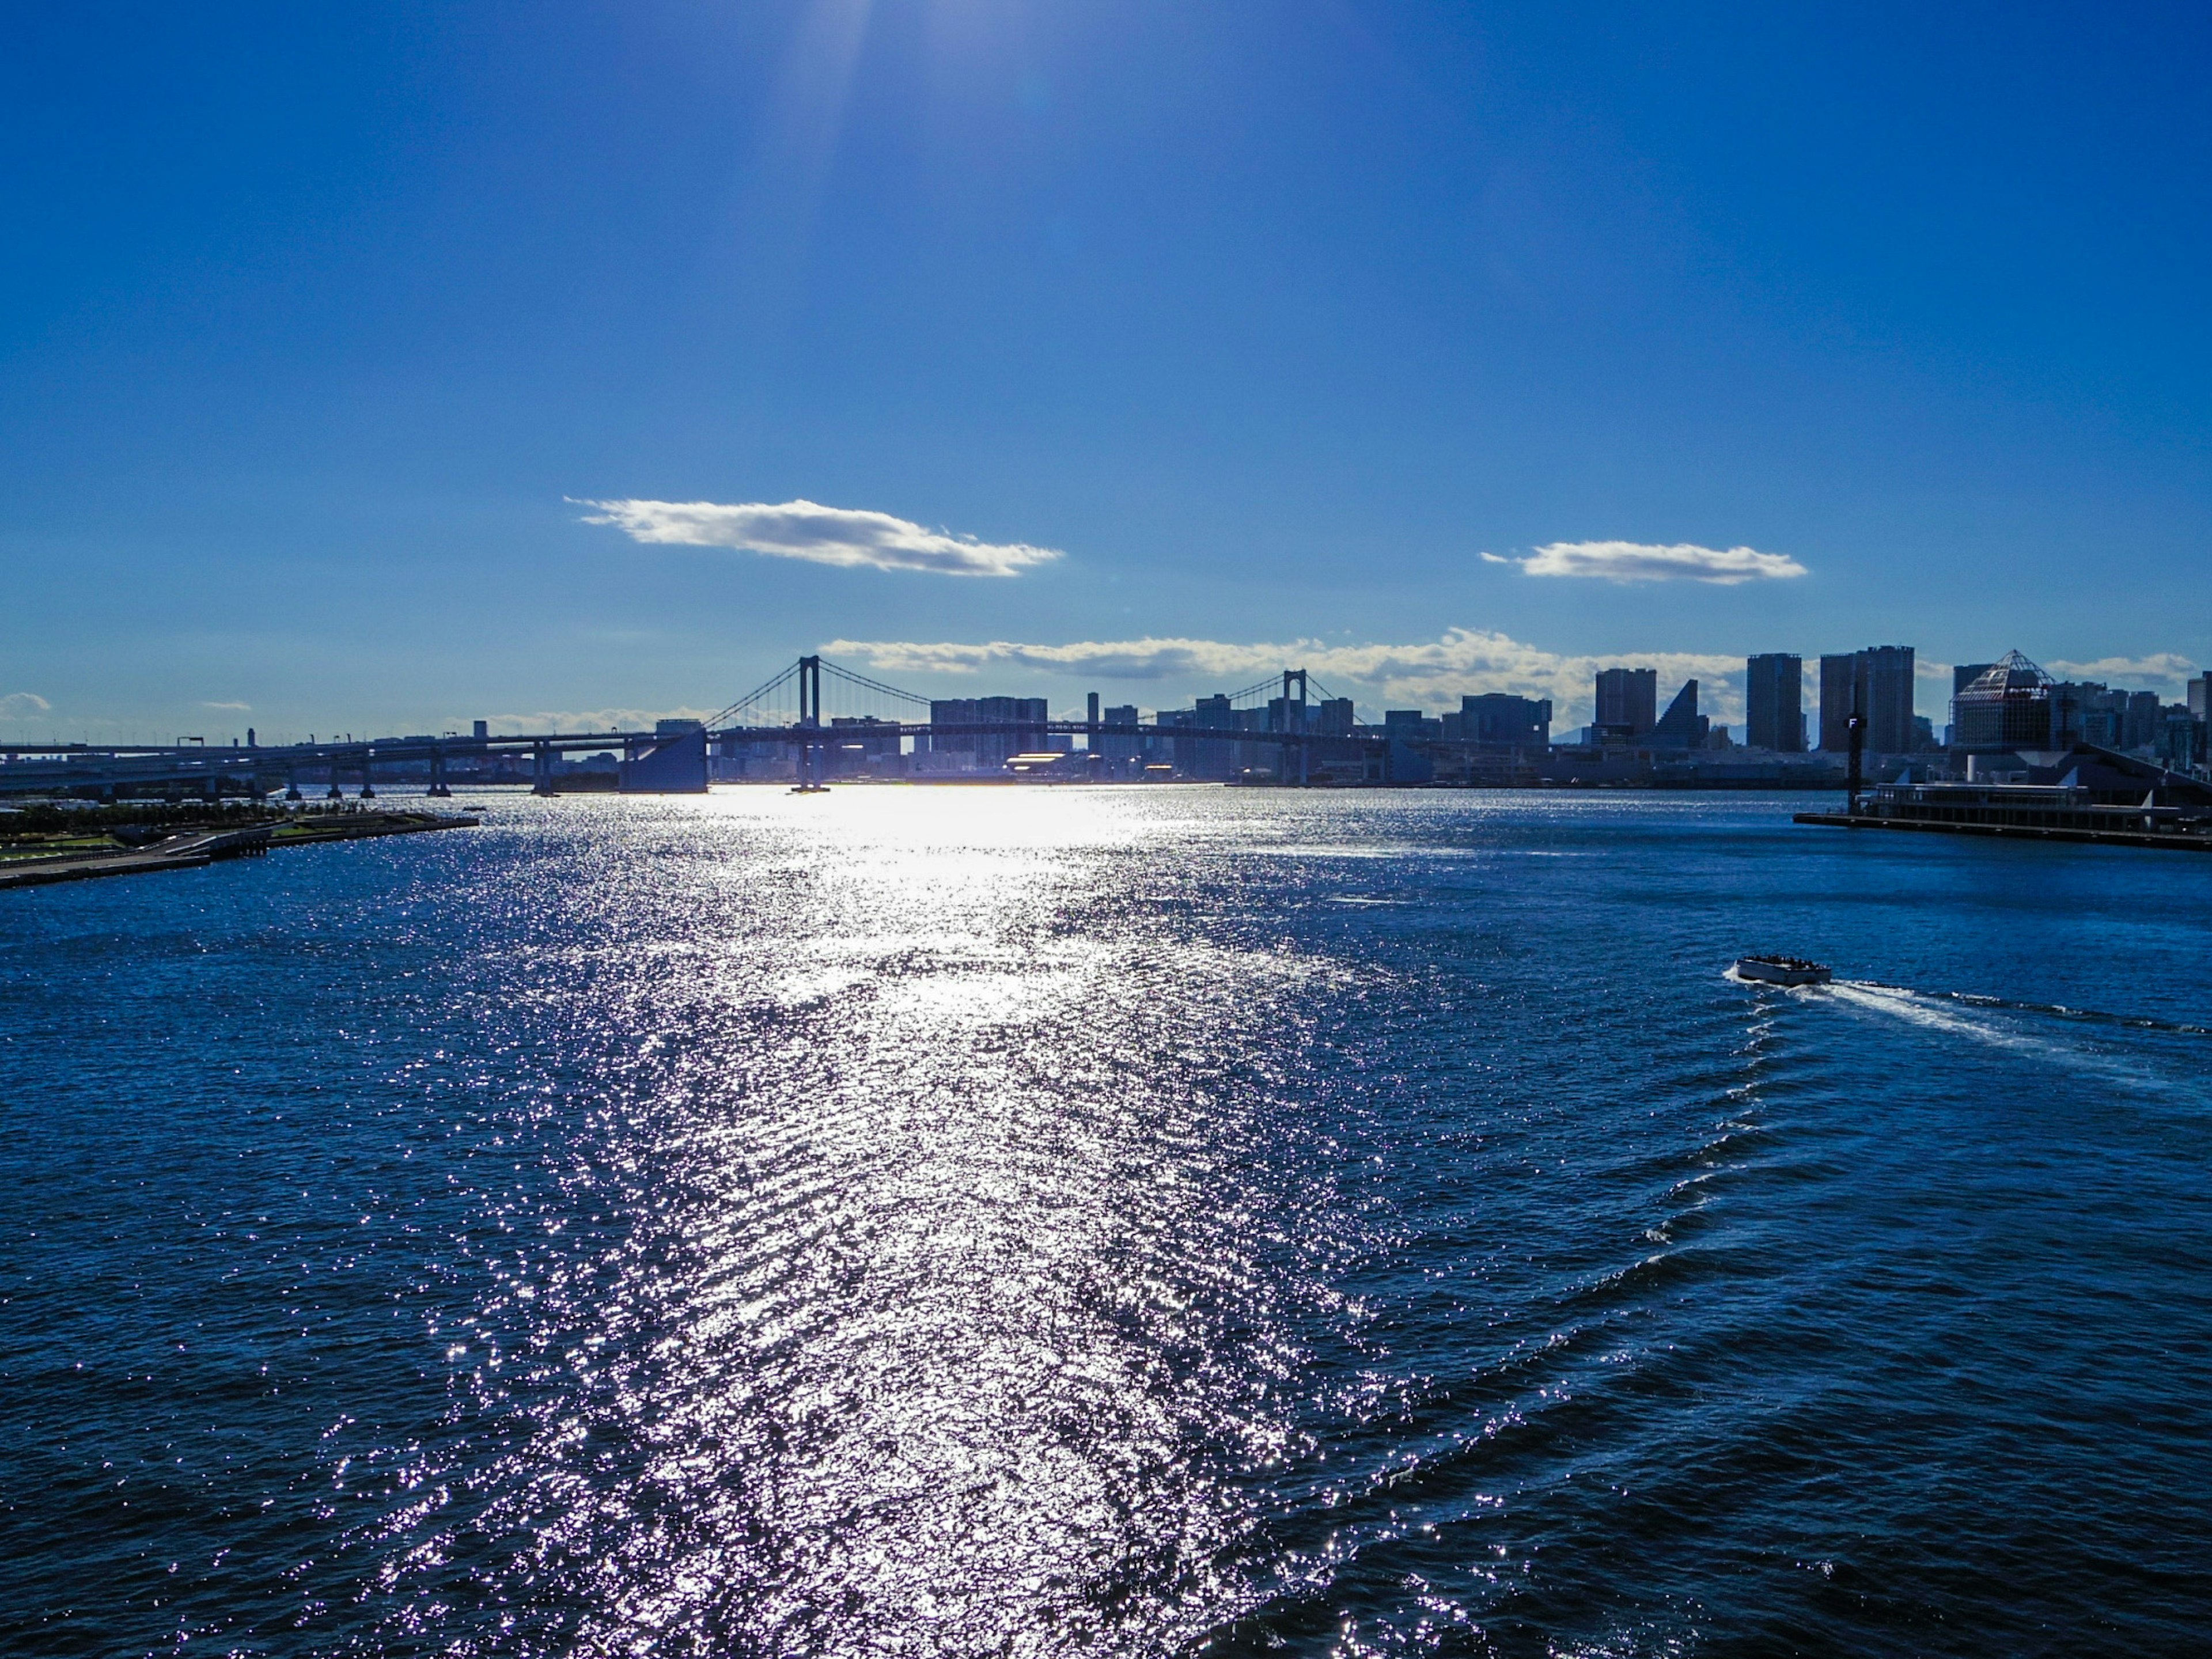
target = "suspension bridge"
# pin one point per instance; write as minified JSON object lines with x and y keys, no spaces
{"x":812,"y":714}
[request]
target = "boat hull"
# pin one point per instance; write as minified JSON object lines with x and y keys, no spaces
{"x":1768,"y":972}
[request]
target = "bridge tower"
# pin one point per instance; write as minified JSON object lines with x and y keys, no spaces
{"x":810,"y":719}
{"x":1294,"y":716}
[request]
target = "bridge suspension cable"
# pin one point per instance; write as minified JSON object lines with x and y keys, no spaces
{"x":878,"y":686}
{"x":754,"y":698}
{"x":1273,"y":684}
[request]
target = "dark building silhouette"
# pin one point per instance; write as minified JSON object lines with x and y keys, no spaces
{"x":1774,"y":703}
{"x":2005,"y":707}
{"x":1628,"y":701}
{"x":1879,"y":682}
{"x":1499,"y":721}
{"x":989,"y":750}
{"x":1681,"y":727}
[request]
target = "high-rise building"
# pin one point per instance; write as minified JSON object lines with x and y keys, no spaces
{"x":2200,"y":698}
{"x":1503,"y":721}
{"x":1024,"y":715}
{"x":1212,"y":758}
{"x":2145,"y":715}
{"x":2074,"y":708}
{"x":1878,"y":682}
{"x":950,"y":711}
{"x":1890,"y":680}
{"x":1628,"y":701}
{"x":1840,"y":693}
{"x":2180,"y":738}
{"x":1774,"y":703}
{"x":1683,"y":727}
{"x":1116,"y":750}
{"x":2006,"y":707}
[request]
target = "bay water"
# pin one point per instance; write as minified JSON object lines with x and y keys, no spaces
{"x":1149,"y":1220}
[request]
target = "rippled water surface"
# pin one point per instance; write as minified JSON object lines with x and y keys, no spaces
{"x":1148,"y":1221}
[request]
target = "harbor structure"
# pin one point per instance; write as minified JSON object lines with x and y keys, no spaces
{"x":2080,"y":793}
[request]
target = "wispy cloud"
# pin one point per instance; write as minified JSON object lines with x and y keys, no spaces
{"x":234,"y":707}
{"x":1431,"y":674}
{"x":23,"y":706}
{"x":2159,"y":669}
{"x":1644,"y":562}
{"x":848,"y":537}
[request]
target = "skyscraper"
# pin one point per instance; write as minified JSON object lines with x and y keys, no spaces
{"x":1628,"y":701}
{"x":1890,"y":686}
{"x":1774,"y":703}
{"x":1681,"y":727}
{"x":1840,"y":692}
{"x":1879,"y":682}
{"x":1501,"y":720}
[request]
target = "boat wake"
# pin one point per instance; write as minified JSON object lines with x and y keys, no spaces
{"x":1866,"y":988}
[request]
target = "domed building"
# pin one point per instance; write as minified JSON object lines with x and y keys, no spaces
{"x":2007,"y":707}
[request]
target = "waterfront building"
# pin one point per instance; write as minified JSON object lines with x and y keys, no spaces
{"x":1498,"y":720}
{"x":1334,"y":718}
{"x":1211,"y":758}
{"x":1890,"y":686}
{"x":1840,"y":693}
{"x":958,"y":746}
{"x":1118,"y":751}
{"x":1025,"y":715}
{"x":1681,"y":727}
{"x":863,"y":746}
{"x":1774,"y":703}
{"x":2068,"y":701}
{"x":2181,"y":738}
{"x":2144,"y":715}
{"x":987,"y":751}
{"x":2200,"y":699}
{"x":1879,"y":682}
{"x":1628,"y":701}
{"x":2006,"y":707}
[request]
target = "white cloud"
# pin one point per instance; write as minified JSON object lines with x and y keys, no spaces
{"x":847,"y":537}
{"x":1642,"y":562}
{"x":1495,"y":558}
{"x":23,"y":706}
{"x":2161,"y":668}
{"x":236,"y":708}
{"x":1432,"y":674}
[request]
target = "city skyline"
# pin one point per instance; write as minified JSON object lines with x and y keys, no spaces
{"x":574,"y":359}
{"x":1174,"y":672}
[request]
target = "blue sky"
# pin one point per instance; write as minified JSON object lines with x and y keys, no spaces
{"x":1256,"y":326}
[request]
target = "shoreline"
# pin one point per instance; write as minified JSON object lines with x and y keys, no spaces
{"x":191,"y":849}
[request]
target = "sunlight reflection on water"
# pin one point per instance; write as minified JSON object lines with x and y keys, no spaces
{"x":1124,"y":1221}
{"x":951,"y":1299}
